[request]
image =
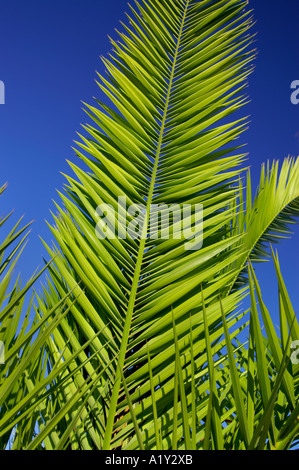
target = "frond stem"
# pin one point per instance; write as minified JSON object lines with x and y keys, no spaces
{"x":135,"y":282}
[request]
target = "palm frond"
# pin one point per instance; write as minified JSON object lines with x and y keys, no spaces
{"x":139,"y":324}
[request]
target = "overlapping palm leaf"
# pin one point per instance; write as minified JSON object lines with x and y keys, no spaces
{"x":268,"y":218}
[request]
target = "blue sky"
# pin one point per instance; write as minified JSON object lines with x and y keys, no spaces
{"x":48,"y":60}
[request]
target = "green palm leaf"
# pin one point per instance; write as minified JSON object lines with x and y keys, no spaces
{"x":131,"y":330}
{"x":152,"y":147}
{"x":268,"y":218}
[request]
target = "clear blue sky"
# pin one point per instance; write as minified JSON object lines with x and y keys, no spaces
{"x":48,"y":57}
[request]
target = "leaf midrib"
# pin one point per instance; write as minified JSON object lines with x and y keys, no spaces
{"x":136,"y":277}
